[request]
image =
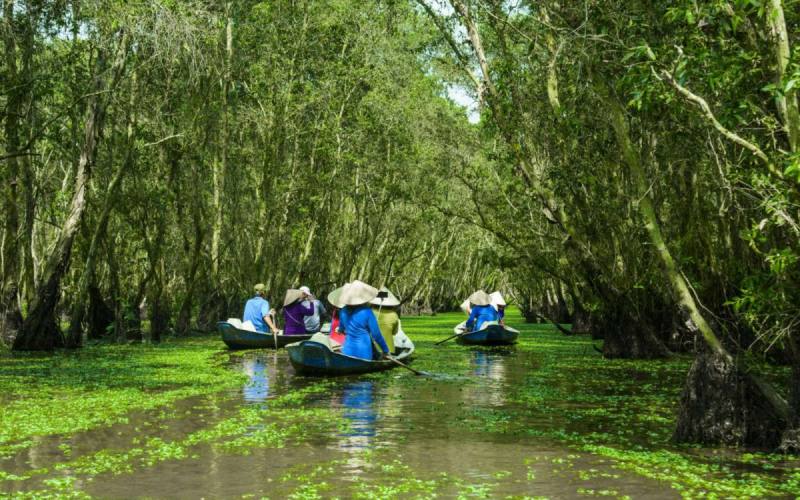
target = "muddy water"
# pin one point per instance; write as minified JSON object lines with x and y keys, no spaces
{"x":404,"y":436}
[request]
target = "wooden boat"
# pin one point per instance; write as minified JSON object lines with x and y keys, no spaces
{"x":313,"y":358}
{"x":236,"y":338}
{"x":490,"y":335}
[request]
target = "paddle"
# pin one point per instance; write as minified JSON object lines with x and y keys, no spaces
{"x":400,"y":363}
{"x":459,"y":334}
{"x":274,"y":333}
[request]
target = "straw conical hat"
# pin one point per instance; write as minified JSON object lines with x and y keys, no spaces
{"x":335,"y":297}
{"x":465,"y":306}
{"x":292,"y":296}
{"x":497,"y":299}
{"x":385,"y":298}
{"x":480,"y":298}
{"x":357,"y":293}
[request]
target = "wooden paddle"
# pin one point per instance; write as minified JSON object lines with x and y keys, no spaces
{"x":400,"y":363}
{"x":453,"y":336}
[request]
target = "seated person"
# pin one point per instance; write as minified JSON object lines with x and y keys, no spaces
{"x":359,"y":321}
{"x":257,"y":311}
{"x":294,"y":312}
{"x":482,"y":311}
{"x":314,"y":321}
{"x":499,"y":304}
{"x":385,"y":308}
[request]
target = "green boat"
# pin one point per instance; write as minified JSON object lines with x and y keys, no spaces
{"x":493,"y":334}
{"x":236,"y":338}
{"x":314,"y":358}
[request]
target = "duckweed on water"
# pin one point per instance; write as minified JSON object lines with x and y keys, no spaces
{"x":69,"y":392}
{"x":612,"y":418}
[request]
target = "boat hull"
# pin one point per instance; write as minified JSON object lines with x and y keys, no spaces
{"x":313,"y":358}
{"x":491,"y":335}
{"x":235,"y":338}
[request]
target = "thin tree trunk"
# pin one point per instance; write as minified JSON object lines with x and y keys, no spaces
{"x":75,"y":337}
{"x":40,"y":330}
{"x":10,"y":317}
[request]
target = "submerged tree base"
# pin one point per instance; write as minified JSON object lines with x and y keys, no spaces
{"x":721,"y":404}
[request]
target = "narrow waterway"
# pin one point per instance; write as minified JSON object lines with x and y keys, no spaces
{"x":403,"y":436}
{"x":545,"y":418}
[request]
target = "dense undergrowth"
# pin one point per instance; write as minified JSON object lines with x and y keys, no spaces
{"x":554,"y":389}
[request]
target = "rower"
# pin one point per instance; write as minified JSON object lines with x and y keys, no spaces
{"x":481,"y":312}
{"x":359,"y":321}
{"x":257,"y":311}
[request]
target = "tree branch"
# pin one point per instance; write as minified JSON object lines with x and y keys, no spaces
{"x":732,"y":136}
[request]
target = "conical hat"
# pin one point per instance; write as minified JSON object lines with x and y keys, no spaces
{"x":292,"y":296}
{"x":480,"y":298}
{"x":357,"y":293}
{"x":335,"y":297}
{"x":385,"y":298}
{"x":497,"y":299}
{"x":465,"y":306}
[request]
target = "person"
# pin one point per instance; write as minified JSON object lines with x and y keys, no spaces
{"x":482,"y":311}
{"x":499,"y":304}
{"x":384,"y":306}
{"x":465,"y":307}
{"x":334,"y":299}
{"x":256,"y":310}
{"x":314,"y":321}
{"x":359,"y":322}
{"x":294,"y":311}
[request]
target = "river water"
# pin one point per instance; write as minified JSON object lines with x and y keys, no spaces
{"x":463,"y":433}
{"x":401,"y":440}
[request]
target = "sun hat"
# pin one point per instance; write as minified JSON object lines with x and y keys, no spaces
{"x":305,"y":290}
{"x":292,"y":296}
{"x":465,"y":306}
{"x":385,"y":298}
{"x":335,"y":296}
{"x":497,"y":299}
{"x":259,"y":287}
{"x":480,"y":298}
{"x":358,"y":293}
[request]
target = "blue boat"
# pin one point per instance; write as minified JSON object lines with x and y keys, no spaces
{"x":314,"y":358}
{"x":490,"y":335}
{"x":236,"y":338}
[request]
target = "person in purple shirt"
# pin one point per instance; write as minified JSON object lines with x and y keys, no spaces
{"x":294,"y":312}
{"x":359,"y":322}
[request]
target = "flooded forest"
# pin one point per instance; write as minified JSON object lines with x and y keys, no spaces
{"x":625,"y":173}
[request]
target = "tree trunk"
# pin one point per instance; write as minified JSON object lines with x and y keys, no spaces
{"x":40,"y":330}
{"x":100,"y":316}
{"x":721,"y":404}
{"x":10,"y":317}
{"x":790,"y":441}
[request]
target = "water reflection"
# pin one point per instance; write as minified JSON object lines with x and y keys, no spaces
{"x":490,"y":365}
{"x":358,"y":401}
{"x":257,"y":387}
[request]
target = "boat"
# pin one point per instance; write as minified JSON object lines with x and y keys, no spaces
{"x":491,"y":334}
{"x":315,"y":358}
{"x":237,"y":338}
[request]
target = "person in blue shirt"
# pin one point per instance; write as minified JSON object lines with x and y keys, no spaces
{"x":481,"y":312}
{"x":359,"y":322}
{"x":257,"y":311}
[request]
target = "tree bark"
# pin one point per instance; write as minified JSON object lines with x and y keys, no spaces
{"x":10,"y":316}
{"x":40,"y":330}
